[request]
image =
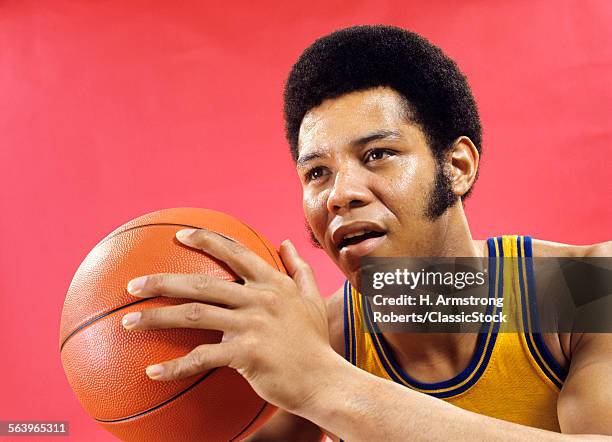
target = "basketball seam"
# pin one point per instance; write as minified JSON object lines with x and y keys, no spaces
{"x":96,"y":318}
{"x":113,"y":235}
{"x":264,"y":242}
{"x":156,"y":407}
{"x":250,"y":424}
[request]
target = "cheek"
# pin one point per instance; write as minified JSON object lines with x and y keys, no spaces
{"x":405,"y":191}
{"x":315,"y":211}
{"x":401,"y":186}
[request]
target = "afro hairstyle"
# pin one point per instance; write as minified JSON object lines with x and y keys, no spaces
{"x":437,"y":95}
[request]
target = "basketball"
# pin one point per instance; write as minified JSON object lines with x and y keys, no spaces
{"x":105,"y":364}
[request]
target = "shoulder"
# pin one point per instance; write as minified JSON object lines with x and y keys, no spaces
{"x":335,"y":319}
{"x":542,"y":248}
{"x":562,"y":345}
{"x":584,"y":402}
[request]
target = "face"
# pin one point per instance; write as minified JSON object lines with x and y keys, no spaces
{"x":368,"y":177}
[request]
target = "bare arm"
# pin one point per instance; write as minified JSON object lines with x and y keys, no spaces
{"x":585,"y":403}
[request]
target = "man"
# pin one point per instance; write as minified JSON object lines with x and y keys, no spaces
{"x":387,"y":140}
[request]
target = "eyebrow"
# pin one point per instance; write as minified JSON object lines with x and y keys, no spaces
{"x":361,"y":141}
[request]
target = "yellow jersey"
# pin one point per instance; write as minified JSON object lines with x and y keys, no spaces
{"x":512,"y":375}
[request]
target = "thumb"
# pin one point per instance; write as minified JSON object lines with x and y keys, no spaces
{"x":299,"y":270}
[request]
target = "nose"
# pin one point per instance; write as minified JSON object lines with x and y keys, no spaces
{"x":348,"y":192}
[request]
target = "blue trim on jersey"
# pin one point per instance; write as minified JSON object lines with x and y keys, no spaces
{"x":385,"y":353}
{"x":347,"y":332}
{"x":353,"y":329}
{"x":549,"y":363}
{"x":350,"y":353}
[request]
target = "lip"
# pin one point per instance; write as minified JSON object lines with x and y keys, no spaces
{"x":360,"y":249}
{"x":353,"y":227}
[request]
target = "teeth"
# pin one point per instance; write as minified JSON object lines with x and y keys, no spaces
{"x":351,"y":235}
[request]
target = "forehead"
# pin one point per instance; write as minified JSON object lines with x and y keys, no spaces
{"x":337,"y":121}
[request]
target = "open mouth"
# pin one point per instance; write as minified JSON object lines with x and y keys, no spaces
{"x":357,"y":237}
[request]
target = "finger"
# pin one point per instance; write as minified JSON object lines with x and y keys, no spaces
{"x":244,"y":262}
{"x":202,"y":358}
{"x":200,"y":287}
{"x":190,"y":315}
{"x":299,"y":270}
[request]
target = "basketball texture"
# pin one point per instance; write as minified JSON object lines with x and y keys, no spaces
{"x":105,"y":364}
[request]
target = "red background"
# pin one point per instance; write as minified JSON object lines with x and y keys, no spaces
{"x":112,"y":109}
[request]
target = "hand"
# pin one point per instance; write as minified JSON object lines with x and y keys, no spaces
{"x":275,"y":330}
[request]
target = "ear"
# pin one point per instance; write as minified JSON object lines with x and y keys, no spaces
{"x":464,"y":159}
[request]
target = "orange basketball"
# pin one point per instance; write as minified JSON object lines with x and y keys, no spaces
{"x":105,"y":364}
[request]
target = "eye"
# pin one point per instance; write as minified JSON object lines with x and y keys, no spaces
{"x":315,"y":173}
{"x":377,"y":154}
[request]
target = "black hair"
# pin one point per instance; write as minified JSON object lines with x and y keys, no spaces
{"x":438,"y":97}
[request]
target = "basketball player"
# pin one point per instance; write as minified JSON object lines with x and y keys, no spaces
{"x":386,"y":138}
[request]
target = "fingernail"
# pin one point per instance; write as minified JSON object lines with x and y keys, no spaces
{"x":155,"y":371}
{"x":131,"y":319}
{"x":184,"y":234}
{"x":136,"y":285}
{"x":289,"y":244}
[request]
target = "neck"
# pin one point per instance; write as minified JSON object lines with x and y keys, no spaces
{"x":454,"y":236}
{"x":435,"y":357}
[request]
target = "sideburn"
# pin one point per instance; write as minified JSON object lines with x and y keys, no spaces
{"x":442,"y":196}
